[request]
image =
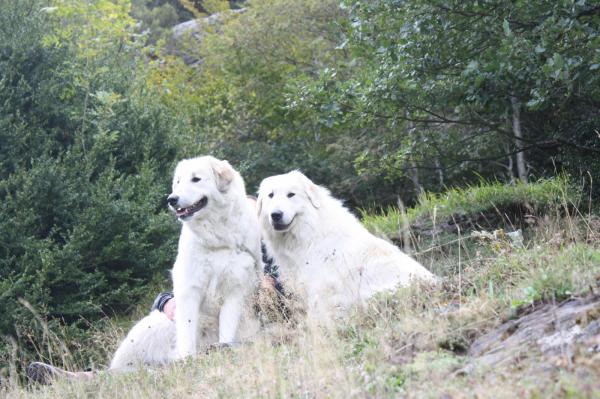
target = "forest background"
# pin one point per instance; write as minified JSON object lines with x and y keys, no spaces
{"x":379,"y":100}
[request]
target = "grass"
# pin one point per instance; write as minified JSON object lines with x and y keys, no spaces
{"x":412,"y":343}
{"x":487,"y":197}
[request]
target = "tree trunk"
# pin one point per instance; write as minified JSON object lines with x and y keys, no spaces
{"x":440,"y":171}
{"x":510,"y":166}
{"x":413,"y":174}
{"x":516,"y":127}
{"x":404,"y":228}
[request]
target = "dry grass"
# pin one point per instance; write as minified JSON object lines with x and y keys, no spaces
{"x":409,"y":344}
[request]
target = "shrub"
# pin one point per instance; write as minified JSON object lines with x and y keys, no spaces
{"x":85,"y":164}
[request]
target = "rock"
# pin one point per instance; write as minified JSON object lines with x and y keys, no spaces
{"x":189,"y":27}
{"x":196,"y":29}
{"x":552,"y":330}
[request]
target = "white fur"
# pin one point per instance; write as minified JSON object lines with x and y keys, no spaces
{"x":218,"y":266}
{"x":218,"y":259}
{"x":150,"y":342}
{"x":325,"y":255}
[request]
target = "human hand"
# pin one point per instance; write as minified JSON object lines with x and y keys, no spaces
{"x":169,"y":309}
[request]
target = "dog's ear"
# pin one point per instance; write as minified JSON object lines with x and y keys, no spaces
{"x":312,"y":192}
{"x":259,"y":202}
{"x":259,"y":197}
{"x":224,"y":174}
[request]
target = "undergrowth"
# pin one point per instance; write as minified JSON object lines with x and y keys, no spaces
{"x":412,"y":343}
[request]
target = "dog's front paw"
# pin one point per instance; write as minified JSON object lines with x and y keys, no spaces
{"x":184,"y":352}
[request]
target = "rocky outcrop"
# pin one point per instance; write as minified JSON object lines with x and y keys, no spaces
{"x":188,"y":35}
{"x":559,"y":332}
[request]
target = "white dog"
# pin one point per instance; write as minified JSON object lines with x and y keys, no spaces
{"x":324,"y":253}
{"x":217,"y":268}
{"x":218,"y":261}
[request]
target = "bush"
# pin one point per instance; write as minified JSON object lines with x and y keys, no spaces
{"x":85,"y":166}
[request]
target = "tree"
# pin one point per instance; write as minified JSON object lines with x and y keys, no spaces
{"x":462,"y":86}
{"x":237,"y":97}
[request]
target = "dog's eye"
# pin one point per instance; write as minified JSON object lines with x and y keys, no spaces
{"x":271,"y":195}
{"x":196,"y":179}
{"x":290,"y":195}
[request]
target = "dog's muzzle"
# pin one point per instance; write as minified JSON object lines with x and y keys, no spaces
{"x":277,"y":221}
{"x":185,"y":213}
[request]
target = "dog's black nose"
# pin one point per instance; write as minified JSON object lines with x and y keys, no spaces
{"x":276,"y":216}
{"x":173,"y":200}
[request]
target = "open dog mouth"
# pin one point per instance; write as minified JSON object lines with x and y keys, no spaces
{"x":184,"y":213}
{"x":281,"y":226}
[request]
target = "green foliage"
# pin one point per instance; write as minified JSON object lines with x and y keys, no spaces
{"x":237,"y":100}
{"x":539,"y":274}
{"x":155,"y":19}
{"x":395,"y":97}
{"x":200,"y":8}
{"x":92,"y":27}
{"x":433,"y":82}
{"x":85,"y":162}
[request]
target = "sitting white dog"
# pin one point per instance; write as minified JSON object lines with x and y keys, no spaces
{"x":218,"y":262}
{"x":325,"y":255}
{"x":217,"y":269}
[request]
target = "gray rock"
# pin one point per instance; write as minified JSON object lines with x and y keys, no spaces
{"x":188,"y":35}
{"x":552,"y":330}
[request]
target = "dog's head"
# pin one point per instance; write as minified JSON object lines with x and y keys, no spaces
{"x":197,"y":184}
{"x":284,"y":199}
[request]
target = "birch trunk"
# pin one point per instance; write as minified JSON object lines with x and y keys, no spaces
{"x":516,"y":127}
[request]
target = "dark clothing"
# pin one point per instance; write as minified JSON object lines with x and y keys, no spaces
{"x":270,"y":268}
{"x":161,"y":300}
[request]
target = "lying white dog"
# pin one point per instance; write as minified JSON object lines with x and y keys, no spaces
{"x":218,"y":266}
{"x":325,"y":255}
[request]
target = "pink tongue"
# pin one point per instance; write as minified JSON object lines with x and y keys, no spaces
{"x":180,"y":212}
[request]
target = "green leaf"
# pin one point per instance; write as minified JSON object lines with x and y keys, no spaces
{"x":506,"y":27}
{"x":558,"y":61}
